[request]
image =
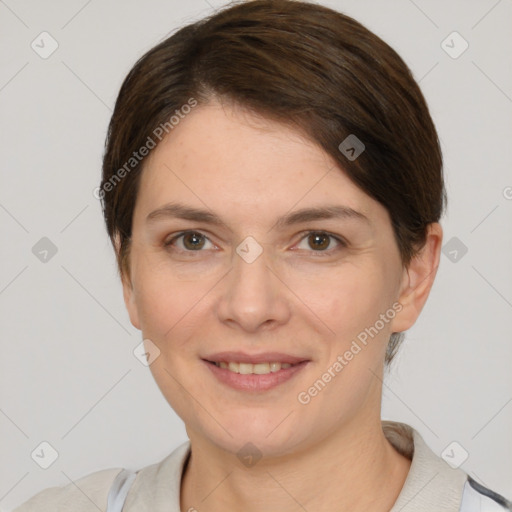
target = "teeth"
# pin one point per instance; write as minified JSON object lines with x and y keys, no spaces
{"x":248,"y":368}
{"x":244,"y":368}
{"x":274,"y":367}
{"x":261,"y":368}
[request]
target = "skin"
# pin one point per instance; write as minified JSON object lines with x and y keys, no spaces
{"x":331,"y":453}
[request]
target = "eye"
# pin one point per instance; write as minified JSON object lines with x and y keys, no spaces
{"x":320,"y":241}
{"x":191,"y":241}
{"x":194,"y":241}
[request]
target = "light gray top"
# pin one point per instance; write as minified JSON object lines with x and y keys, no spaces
{"x":431,"y":485}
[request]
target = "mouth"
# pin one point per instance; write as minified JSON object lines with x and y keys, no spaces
{"x":254,"y":373}
{"x":252,"y":369}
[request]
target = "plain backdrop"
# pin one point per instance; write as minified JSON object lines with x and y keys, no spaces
{"x":68,"y":374}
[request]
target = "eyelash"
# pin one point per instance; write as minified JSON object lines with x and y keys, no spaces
{"x":305,"y":234}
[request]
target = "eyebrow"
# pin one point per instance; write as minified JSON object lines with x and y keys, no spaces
{"x":181,"y":211}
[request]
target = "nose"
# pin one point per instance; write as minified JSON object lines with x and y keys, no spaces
{"x":254,"y":296}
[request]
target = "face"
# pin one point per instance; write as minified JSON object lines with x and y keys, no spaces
{"x":250,"y":244}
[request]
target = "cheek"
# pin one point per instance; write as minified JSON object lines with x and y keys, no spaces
{"x":161,"y":301}
{"x":349,"y":299}
{"x":156,"y":306}
{"x":171,"y":309}
{"x":352,"y":308}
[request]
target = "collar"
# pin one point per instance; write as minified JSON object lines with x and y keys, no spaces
{"x":430,"y":485}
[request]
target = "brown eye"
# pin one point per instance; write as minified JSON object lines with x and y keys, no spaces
{"x":319,"y":241}
{"x":193,"y":241}
{"x":188,"y":241}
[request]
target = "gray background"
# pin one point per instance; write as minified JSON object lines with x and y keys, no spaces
{"x":68,"y":375}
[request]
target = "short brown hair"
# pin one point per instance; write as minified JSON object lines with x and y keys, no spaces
{"x":303,"y":64}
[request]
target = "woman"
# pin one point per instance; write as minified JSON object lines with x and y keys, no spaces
{"x":272,"y":186}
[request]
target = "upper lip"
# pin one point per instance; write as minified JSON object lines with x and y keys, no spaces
{"x":263,"y":357}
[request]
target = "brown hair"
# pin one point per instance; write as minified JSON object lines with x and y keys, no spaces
{"x":302,"y":64}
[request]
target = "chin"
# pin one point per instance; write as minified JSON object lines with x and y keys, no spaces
{"x":266,"y":435}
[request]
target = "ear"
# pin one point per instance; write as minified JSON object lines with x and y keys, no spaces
{"x":128,"y":291}
{"x":417,"y":280}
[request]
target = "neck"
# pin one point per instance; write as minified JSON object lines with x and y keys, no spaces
{"x":361,"y":463}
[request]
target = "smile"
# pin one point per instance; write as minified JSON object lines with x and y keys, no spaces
{"x":248,"y":368}
{"x":254,"y":377}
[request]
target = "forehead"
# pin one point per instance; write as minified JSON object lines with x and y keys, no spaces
{"x":233,"y":161}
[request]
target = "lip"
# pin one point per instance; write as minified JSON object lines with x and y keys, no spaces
{"x":254,"y":382}
{"x":262,"y":357}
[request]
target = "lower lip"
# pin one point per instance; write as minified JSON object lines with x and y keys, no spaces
{"x":253,"y":382}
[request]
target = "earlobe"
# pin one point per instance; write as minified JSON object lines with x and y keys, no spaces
{"x":417,"y":280}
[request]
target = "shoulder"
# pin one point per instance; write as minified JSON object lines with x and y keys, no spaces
{"x":88,"y":493}
{"x":147,"y":489}
{"x":437,"y":483}
{"x":478,"y":498}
